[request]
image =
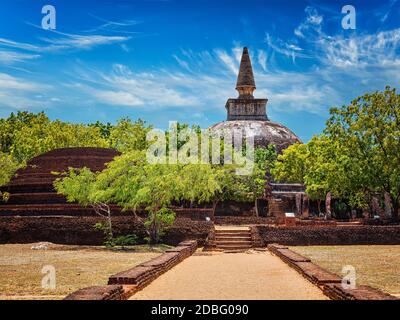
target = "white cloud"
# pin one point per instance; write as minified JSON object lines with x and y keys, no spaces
{"x":19,"y":93}
{"x":121,"y":86}
{"x":14,"y":83}
{"x":64,"y":41}
{"x":115,"y":26}
{"x":19,"y":45}
{"x":229,"y":61}
{"x":361,"y":50}
{"x":311,"y":24}
{"x":262,"y":59}
{"x":121,"y":98}
{"x":75,"y":41}
{"x":288,"y":49}
{"x":10,"y":57}
{"x":339,"y":50}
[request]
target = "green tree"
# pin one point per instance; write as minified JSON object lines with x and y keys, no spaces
{"x":291,"y":164}
{"x":358,"y":156}
{"x":252,"y":186}
{"x":25,"y":135}
{"x":105,"y":128}
{"x":368,"y":132}
{"x":10,"y":126}
{"x":79,"y":185}
{"x":8,"y":167}
{"x":40,"y":137}
{"x":127,"y":136}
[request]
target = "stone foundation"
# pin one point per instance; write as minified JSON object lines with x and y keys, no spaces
{"x":328,"y":235}
{"x":80,"y":230}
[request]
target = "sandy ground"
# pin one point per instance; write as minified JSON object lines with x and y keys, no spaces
{"x":375,"y":265}
{"x":75,"y":266}
{"x":236,"y":276}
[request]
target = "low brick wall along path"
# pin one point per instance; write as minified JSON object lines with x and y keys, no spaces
{"x":253,"y":275}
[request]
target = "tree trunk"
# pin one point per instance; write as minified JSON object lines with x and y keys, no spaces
{"x":319,"y":206}
{"x":214,"y":207}
{"x":396,"y":207}
{"x":388,"y":205}
{"x":110,"y":224}
{"x":305,"y":207}
{"x":256,"y":207}
{"x":328,"y":210}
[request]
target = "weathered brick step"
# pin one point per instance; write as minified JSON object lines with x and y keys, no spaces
{"x":233,"y":239}
{"x":66,"y":209}
{"x":231,"y":242}
{"x":218,"y":237}
{"x":242,"y":234}
{"x":234,"y":247}
{"x":36,"y":198}
{"x":29,"y":187}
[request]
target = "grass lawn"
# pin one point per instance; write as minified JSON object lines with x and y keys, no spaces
{"x":376,"y":266}
{"x":76,"y":267}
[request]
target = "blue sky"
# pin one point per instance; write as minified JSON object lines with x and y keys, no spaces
{"x":177,"y":60}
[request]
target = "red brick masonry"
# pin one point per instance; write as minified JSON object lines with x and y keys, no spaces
{"x":126,"y":283}
{"x":327,"y":235}
{"x":80,"y":230}
{"x":327,"y":281}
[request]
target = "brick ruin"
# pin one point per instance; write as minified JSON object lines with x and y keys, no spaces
{"x":31,"y":189}
{"x":35,"y":212}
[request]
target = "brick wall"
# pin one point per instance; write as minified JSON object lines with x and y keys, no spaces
{"x":79,"y":230}
{"x":328,"y":235}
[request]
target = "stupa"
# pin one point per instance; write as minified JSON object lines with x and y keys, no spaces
{"x":249,"y":115}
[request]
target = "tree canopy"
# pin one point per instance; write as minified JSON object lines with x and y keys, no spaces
{"x":356,"y":158}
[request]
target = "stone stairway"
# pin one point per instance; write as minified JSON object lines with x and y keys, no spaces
{"x":233,"y":239}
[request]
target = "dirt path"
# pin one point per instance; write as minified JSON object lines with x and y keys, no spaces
{"x":239,"y":276}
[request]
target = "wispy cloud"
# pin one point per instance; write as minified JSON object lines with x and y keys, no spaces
{"x":114,"y":26}
{"x":228,"y":60}
{"x":14,"y":51}
{"x":311,"y":24}
{"x":262,"y":59}
{"x":9,"y":57}
{"x":386,"y":13}
{"x":337,"y":50}
{"x":121,"y":86}
{"x":19,"y":93}
{"x":84,"y":42}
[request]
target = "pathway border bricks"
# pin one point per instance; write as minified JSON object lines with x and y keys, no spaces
{"x":327,"y":281}
{"x":126,"y":283}
{"x":336,"y":292}
{"x":115,"y":292}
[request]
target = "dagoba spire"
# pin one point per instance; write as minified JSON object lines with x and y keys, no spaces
{"x":245,"y":84}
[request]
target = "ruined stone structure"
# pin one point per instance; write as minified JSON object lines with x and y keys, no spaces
{"x":248,"y":114}
{"x":31,"y":189}
{"x":35,"y":212}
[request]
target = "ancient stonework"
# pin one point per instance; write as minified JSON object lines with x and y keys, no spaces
{"x":31,"y":189}
{"x":248,"y":115}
